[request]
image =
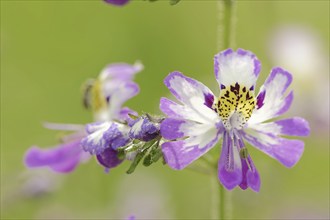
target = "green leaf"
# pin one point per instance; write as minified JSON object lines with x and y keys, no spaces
{"x":142,"y":152}
{"x":121,"y":155}
{"x":158,"y":154}
{"x":136,"y":161}
{"x":134,"y":117}
{"x":147,"y":160}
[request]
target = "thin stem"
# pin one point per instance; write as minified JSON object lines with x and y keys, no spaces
{"x":215,"y":212}
{"x":221,"y":202}
{"x":222,"y":192}
{"x":226,"y":28}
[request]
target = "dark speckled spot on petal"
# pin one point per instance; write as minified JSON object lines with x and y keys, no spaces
{"x":209,"y":99}
{"x":260,"y":99}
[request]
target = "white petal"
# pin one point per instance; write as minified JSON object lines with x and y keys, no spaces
{"x":239,"y":66}
{"x":275,"y":102}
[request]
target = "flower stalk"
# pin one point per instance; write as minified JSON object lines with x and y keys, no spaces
{"x":225,"y":39}
{"x":226,"y":28}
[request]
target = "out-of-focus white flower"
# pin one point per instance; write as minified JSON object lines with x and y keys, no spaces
{"x":145,"y":199}
{"x":301,"y":51}
{"x":38,"y":182}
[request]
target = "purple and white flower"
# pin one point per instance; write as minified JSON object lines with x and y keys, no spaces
{"x":113,"y":87}
{"x":111,"y":132}
{"x":198,"y":122}
{"x":117,"y":2}
{"x":62,"y":158}
{"x":144,"y":129}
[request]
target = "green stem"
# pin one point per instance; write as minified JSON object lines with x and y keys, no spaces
{"x":224,"y":203}
{"x":226,"y":28}
{"x":221,"y":207}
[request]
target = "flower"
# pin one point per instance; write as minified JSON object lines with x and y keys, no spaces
{"x":62,"y":158}
{"x":105,"y":137}
{"x":144,"y":128}
{"x":117,"y":2}
{"x":302,"y":51}
{"x":107,"y":90}
{"x":196,"y":125}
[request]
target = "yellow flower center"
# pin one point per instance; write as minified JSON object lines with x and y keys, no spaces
{"x":93,"y":95}
{"x":98,"y":99}
{"x":235,"y":105}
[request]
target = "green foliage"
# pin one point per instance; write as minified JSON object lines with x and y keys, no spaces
{"x":150,"y":151}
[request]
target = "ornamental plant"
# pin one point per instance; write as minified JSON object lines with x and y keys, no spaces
{"x":199,"y":119}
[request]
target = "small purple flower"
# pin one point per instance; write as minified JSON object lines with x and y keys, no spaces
{"x":113,"y":87}
{"x":117,"y":2}
{"x":63,"y":158}
{"x":109,"y":159}
{"x":112,"y":131}
{"x":197,"y":124}
{"x":103,"y":135}
{"x":132,"y":217}
{"x":144,"y":129}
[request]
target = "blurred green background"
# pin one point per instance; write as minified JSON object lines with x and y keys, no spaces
{"x":49,"y":48}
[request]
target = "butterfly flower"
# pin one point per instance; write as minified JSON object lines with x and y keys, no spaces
{"x":201,"y":119}
{"x":105,"y":96}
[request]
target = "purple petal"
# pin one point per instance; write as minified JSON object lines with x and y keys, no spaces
{"x":117,"y":3}
{"x":285,"y":106}
{"x":293,"y":126}
{"x":278,"y":75}
{"x":240,"y":67}
{"x":124,"y":114}
{"x":250,"y":175}
{"x":174,"y":110}
{"x":179,"y":154}
{"x":260,"y":99}
{"x":124,"y":92}
{"x":143,"y":129}
{"x":190,"y":92}
{"x":199,"y":134}
{"x":104,"y":135}
{"x":168,"y":107}
{"x":288,"y":152}
{"x":132,"y":217}
{"x":108,"y":158}
{"x":253,"y":178}
{"x":229,"y":165}
{"x":275,"y":102}
{"x":120,"y":71}
{"x":170,"y":128}
{"x":63,"y":158}
{"x":95,"y":126}
{"x":63,"y":127}
{"x":209,"y":99}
